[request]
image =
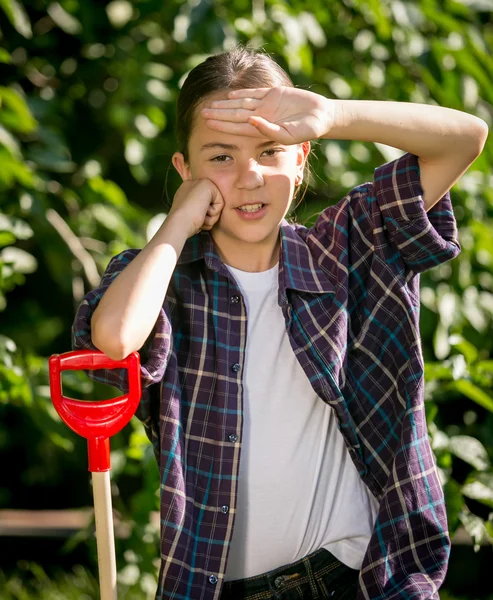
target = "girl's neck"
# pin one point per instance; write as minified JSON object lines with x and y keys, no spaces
{"x":248,"y":256}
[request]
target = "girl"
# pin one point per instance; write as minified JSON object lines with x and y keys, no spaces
{"x":282,"y":365}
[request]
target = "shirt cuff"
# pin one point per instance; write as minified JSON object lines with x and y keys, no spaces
{"x":424,"y":239}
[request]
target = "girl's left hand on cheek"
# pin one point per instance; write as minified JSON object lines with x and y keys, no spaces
{"x":284,"y":114}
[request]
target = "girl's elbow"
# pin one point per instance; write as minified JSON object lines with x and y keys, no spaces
{"x":479,"y":135}
{"x":114,"y":353}
{"x":110,"y":343}
{"x":484,"y":130}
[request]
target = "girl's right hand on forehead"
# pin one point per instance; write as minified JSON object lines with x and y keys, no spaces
{"x":198,"y":203}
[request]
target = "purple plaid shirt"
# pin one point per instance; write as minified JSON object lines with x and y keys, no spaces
{"x":349,"y":293}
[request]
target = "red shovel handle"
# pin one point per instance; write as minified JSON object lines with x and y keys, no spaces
{"x":96,"y":421}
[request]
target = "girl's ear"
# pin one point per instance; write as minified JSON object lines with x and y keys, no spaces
{"x":302,"y":155}
{"x":304,"y":151}
{"x":181,"y":166}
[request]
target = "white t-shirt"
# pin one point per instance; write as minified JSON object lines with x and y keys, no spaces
{"x":298,"y":490}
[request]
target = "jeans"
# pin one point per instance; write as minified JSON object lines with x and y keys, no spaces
{"x":319,"y":575}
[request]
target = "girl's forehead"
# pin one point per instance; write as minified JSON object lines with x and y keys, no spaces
{"x":204,"y":138}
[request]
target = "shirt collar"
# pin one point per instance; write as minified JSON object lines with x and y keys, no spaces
{"x":297,"y":268}
{"x":200,"y":247}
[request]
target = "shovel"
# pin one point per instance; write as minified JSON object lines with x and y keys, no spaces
{"x":98,"y":421}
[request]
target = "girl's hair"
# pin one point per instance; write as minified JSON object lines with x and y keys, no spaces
{"x":234,"y":70}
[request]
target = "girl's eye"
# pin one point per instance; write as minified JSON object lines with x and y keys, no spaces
{"x":221,"y":158}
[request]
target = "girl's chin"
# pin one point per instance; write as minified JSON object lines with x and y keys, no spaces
{"x":256,"y":234}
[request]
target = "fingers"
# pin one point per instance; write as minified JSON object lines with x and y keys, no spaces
{"x":249,"y":93}
{"x":256,"y":127}
{"x":214,"y":209}
{"x":248,"y":103}
{"x":209,"y":222}
{"x":236,"y":115}
{"x":213,"y":213}
{"x":266,"y":128}
{"x":234,"y":128}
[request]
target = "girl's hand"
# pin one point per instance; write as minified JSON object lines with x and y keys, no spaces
{"x":198,"y":203}
{"x":284,"y":114}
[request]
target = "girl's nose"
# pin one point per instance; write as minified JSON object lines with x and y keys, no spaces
{"x":250,"y":175}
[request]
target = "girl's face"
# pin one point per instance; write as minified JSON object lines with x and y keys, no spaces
{"x":249,"y":171}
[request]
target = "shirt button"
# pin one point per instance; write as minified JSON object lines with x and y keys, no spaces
{"x":235,"y":299}
{"x":233,"y":437}
{"x":213,"y":579}
{"x":236,"y":367}
{"x":224,"y":509}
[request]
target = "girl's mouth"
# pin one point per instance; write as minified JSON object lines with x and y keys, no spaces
{"x":252,"y":211}
{"x":250,"y":207}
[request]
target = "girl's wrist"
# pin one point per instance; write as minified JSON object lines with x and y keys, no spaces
{"x":174,"y":231}
{"x":341,"y":118}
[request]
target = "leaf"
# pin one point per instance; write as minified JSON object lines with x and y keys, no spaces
{"x":14,"y":170}
{"x":436,"y":370}
{"x":313,"y":31}
{"x":475,"y":527}
{"x":17,"y":16}
{"x":51,"y":151}
{"x":109,"y":190}
{"x":447,"y":303}
{"x":469,"y":351}
{"x":8,"y":9}
{"x":22,"y":261}
{"x":10,"y":142}
{"x":482,"y":374}
{"x":6,"y":238}
{"x":431,"y":410}
{"x":489,"y":527}
{"x":468,"y":64}
{"x":65,"y":443}
{"x":15,"y":113}
{"x":454,"y":503}
{"x":4,"y":56}
{"x":474,"y":393}
{"x":375,"y":13}
{"x":470,"y":450}
{"x":108,"y":217}
{"x":19,"y":229}
{"x":67,"y":22}
{"x":50,"y":160}
{"x":485,"y":366}
{"x":459,"y":367}
{"x":479,"y":487}
{"x":441,"y":345}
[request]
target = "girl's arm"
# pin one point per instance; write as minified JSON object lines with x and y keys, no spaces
{"x":446,"y":141}
{"x":128,"y":310}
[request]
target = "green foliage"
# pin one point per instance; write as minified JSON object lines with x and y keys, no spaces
{"x":86,"y":107}
{"x":32,"y":583}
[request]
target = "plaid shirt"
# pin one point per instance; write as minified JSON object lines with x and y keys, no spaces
{"x":349,"y":293}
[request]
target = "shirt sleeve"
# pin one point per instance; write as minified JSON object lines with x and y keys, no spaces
{"x":383,"y":224}
{"x":154,"y":354}
{"x":422,"y":239}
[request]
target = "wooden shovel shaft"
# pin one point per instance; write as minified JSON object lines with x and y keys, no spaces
{"x":105,"y":537}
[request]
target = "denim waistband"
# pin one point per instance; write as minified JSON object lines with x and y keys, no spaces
{"x":308,"y":570}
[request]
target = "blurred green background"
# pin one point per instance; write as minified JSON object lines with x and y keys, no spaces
{"x":87,"y":92}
